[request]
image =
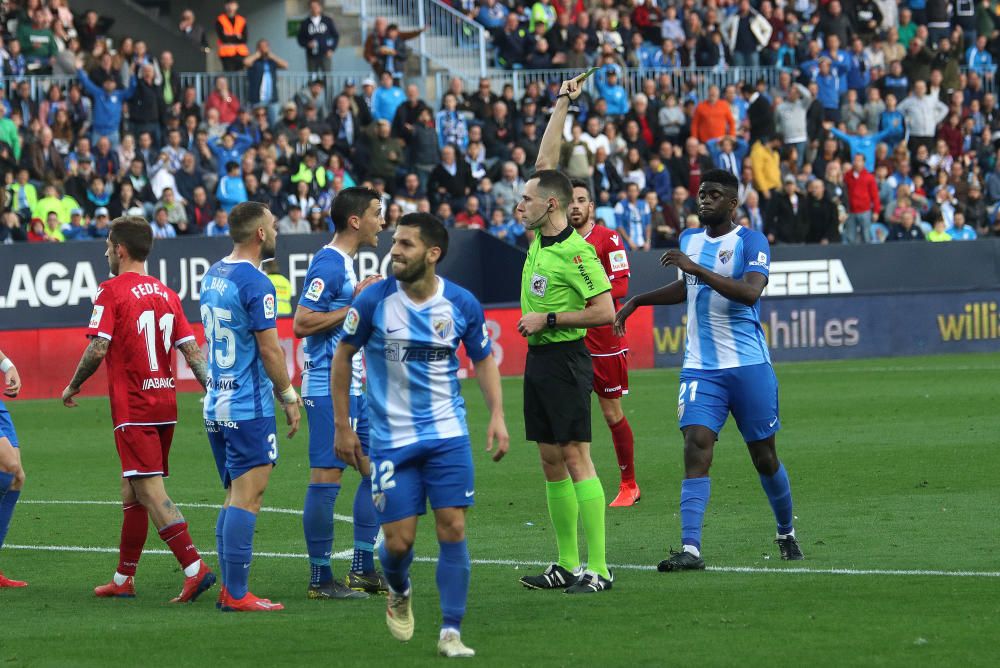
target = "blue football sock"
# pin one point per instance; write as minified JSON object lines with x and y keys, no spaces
{"x":238,"y":539}
{"x":397,"y":569}
{"x":7,"y":503}
{"x":220,"y":543}
{"x":453,"y":571}
{"x":365,"y":529}
{"x":694,"y":498}
{"x":779,"y":493}
{"x":5,"y":481}
{"x":317,"y":524}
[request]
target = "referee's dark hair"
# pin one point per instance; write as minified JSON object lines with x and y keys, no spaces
{"x":581,"y":183}
{"x":432,"y":230}
{"x":723,"y":177}
{"x":553,"y":183}
{"x":135,"y":234}
{"x":351,"y":202}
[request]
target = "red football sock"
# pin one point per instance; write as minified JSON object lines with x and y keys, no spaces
{"x":621,"y":435}
{"x":179,"y":541}
{"x":135,"y":526}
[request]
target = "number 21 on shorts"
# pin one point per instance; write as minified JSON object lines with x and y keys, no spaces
{"x":691,"y":390}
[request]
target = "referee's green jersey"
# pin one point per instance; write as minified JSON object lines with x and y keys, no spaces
{"x":560,"y":275}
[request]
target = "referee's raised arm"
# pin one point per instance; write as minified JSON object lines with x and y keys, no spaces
{"x":548,"y":150}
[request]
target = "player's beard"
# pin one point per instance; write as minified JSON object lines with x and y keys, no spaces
{"x":411,"y":271}
{"x":578,"y":219}
{"x":268,"y":249}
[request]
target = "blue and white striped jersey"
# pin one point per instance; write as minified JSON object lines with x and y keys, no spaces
{"x":329,"y":286}
{"x":237,"y":300}
{"x":722,"y":334}
{"x":410,"y":351}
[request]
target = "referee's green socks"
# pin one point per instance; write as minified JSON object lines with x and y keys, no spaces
{"x":564,"y":510}
{"x":590,"y":498}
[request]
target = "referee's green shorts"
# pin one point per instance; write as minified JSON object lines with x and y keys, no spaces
{"x":557,"y":381}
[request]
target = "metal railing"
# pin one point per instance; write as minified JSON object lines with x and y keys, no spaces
{"x":288,"y":84}
{"x":452,"y":41}
{"x":692,"y":80}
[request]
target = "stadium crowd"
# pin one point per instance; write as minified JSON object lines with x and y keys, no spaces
{"x":881,"y":124}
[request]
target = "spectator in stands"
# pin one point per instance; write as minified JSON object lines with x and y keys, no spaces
{"x":863,"y":202}
{"x":146,"y":107}
{"x":746,"y":33}
{"x":375,"y":48}
{"x":162,"y":229}
{"x":611,"y":90}
{"x":766,"y":167}
{"x":223,"y":101}
{"x":293,"y":222}
{"x":108,"y":101}
{"x":713,"y":118}
{"x":319,"y":37}
{"x":219,"y":227}
{"x":470,"y":217}
{"x":37,"y":41}
{"x":633,"y":220}
{"x":387,"y":98}
{"x":450,"y":181}
{"x":906,"y":229}
{"x":190,"y":29}
{"x":231,"y":30}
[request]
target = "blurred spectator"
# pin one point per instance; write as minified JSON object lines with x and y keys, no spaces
{"x":231,"y":30}
{"x":293,"y":222}
{"x":319,"y":37}
{"x":376,"y":50}
{"x":387,"y":98}
{"x":192,"y":30}
{"x":747,"y":32}
{"x":863,"y":202}
{"x":906,"y":229}
{"x":219,"y":227}
{"x":713,"y":118}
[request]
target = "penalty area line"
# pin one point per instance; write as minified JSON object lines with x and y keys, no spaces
{"x":749,"y":570}
{"x":210,"y":506}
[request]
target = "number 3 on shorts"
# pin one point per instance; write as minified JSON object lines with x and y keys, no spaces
{"x":382,"y":479}
{"x":272,"y":440}
{"x":692,"y":395}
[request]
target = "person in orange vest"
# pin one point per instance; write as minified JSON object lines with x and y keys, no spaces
{"x":231,"y":28}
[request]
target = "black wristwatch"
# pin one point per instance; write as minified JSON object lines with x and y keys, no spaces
{"x":550,"y":320}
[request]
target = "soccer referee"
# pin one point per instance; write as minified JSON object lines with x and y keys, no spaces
{"x":564,"y":290}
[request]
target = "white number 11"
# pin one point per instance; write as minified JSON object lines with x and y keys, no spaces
{"x":147,"y":327}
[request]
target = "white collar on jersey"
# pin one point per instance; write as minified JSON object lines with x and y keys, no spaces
{"x":229,"y":260}
{"x":337,"y":250}
{"x":420,"y":307}
{"x":732,"y":232}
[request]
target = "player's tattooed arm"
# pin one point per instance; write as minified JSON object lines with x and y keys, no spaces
{"x":91,"y":360}
{"x":199,"y":367}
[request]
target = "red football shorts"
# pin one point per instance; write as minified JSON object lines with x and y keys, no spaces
{"x":143,"y":449}
{"x":611,"y":375}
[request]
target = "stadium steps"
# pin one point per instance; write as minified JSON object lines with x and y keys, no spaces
{"x":159,"y":32}
{"x":351,"y":16}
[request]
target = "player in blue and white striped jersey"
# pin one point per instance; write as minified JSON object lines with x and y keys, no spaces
{"x":330,"y":287}
{"x":410,"y":327}
{"x":727,"y":367}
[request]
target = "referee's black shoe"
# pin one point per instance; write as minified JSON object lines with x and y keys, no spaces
{"x":553,"y":577}
{"x":681,"y":561}
{"x":789,"y":547}
{"x":591,"y":583}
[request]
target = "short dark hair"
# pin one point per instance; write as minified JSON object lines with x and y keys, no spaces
{"x":581,"y":183}
{"x":723,"y":177}
{"x":554,"y":183}
{"x":432,"y":230}
{"x":244,"y":219}
{"x":230,"y":166}
{"x":135,"y":234}
{"x":351,"y":202}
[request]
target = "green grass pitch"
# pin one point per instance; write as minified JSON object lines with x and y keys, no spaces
{"x":894,"y":472}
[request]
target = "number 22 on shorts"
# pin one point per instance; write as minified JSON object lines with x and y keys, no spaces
{"x":692,"y":393}
{"x":382,"y":478}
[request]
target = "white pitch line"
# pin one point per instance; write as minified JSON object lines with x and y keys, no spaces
{"x":752,"y":570}
{"x":210,"y":506}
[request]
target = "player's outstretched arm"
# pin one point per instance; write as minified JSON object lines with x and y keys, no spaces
{"x":488,"y":377}
{"x":548,"y":150}
{"x":672,"y":293}
{"x":274,"y":365}
{"x":308,"y":322}
{"x":91,"y":360}
{"x":199,"y":367}
{"x":746,"y":290}
{"x":12,"y":384}
{"x":345,"y":441}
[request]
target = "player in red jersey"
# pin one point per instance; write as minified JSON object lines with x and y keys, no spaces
{"x":136,"y":322}
{"x":609,"y":351}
